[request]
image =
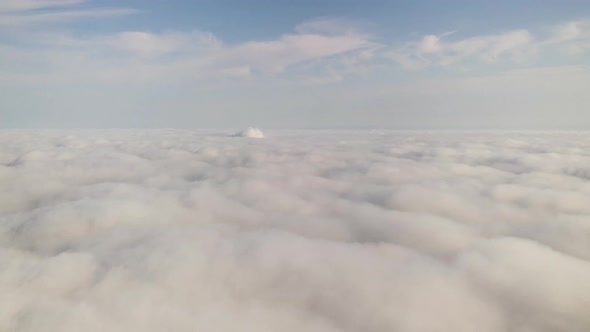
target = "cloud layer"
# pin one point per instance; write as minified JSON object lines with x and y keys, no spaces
{"x":131,"y":230}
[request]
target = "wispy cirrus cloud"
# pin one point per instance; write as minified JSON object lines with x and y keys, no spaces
{"x":24,"y":5}
{"x":277,"y":55}
{"x":572,"y":37}
{"x":39,"y":12}
{"x":515,"y":46}
{"x":325,"y":49}
{"x":199,"y":55}
{"x":310,"y":42}
{"x":435,"y":50}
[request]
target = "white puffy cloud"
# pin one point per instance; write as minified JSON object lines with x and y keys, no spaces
{"x":147,"y":230}
{"x":250,"y":132}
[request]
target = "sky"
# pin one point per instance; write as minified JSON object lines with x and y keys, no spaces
{"x":295,"y":64}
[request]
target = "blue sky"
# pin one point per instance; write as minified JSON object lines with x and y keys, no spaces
{"x":295,"y":64}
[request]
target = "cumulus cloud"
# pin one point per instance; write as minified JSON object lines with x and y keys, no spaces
{"x":250,"y":133}
{"x":146,"y":230}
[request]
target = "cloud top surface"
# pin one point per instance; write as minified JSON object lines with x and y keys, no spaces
{"x":147,"y":230}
